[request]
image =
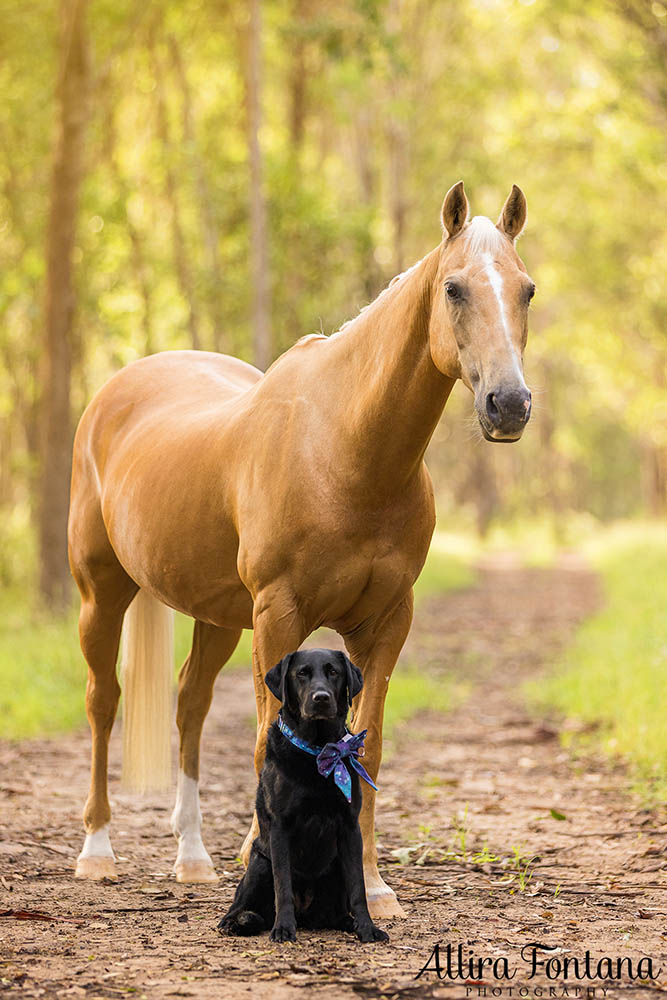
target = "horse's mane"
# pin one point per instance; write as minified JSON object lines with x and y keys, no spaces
{"x":378,"y":298}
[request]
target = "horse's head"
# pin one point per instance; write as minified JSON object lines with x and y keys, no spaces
{"x":479,"y":312}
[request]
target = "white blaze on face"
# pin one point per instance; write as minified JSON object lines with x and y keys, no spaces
{"x":186,"y":821}
{"x":496,"y":281}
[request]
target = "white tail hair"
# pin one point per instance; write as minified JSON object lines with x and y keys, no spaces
{"x":147,"y":667}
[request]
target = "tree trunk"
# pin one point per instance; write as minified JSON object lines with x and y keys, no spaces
{"x":204,"y":203}
{"x":181,"y":261}
{"x":140,"y":266}
{"x":371,"y":278}
{"x":72,"y":95}
{"x":261,"y":285}
{"x":654,"y":478}
{"x":397,"y":142}
{"x":298,"y":80}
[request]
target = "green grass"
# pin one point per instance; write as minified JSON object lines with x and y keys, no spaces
{"x":447,"y":567}
{"x":413,"y":690}
{"x":615,"y":671}
{"x":43,"y":674}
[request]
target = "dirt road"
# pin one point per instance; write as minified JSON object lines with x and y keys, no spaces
{"x":468,"y":827}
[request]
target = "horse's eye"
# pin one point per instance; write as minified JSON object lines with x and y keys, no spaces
{"x":452,"y":290}
{"x":531,"y":292}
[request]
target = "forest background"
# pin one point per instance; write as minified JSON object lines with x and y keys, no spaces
{"x":233,"y":175}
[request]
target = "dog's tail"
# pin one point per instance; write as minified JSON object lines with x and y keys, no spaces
{"x":147,"y":668}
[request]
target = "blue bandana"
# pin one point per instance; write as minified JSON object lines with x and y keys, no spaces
{"x":331,"y":757}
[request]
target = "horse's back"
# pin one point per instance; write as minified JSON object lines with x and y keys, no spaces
{"x":180,"y":380}
{"x":159,"y":396}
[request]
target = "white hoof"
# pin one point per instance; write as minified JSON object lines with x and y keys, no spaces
{"x":96,"y":860}
{"x":382,"y":901}
{"x":95,"y":868}
{"x":195,"y":871}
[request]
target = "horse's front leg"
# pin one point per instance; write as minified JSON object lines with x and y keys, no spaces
{"x":376,"y":656}
{"x":278,"y":629}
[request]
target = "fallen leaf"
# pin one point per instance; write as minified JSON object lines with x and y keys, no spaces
{"x":26,"y":915}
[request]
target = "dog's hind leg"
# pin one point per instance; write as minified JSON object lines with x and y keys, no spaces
{"x":211,"y":648}
{"x":253,"y":909}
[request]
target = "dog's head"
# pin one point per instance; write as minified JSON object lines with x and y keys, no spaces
{"x":315,"y":683}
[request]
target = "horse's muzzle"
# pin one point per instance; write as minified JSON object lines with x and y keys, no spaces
{"x":504,"y":413}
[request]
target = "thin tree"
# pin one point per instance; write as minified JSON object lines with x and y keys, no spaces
{"x":72,"y":102}
{"x":204,"y":201}
{"x":181,"y":259}
{"x":259,"y":251}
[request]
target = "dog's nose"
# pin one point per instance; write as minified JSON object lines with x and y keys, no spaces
{"x":321,"y":697}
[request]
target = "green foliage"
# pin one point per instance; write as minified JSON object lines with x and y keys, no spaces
{"x":615,"y":672}
{"x":446,"y":568}
{"x":42,"y":672}
{"x":413,"y":690}
{"x":183,"y":625}
{"x":366,"y":107}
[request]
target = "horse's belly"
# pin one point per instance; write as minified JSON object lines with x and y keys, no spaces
{"x":173,"y":532}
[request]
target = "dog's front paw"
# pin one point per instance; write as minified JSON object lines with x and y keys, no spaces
{"x":368,"y":933}
{"x":284,"y":931}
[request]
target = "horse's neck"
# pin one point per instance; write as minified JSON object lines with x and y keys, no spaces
{"x":392,"y":393}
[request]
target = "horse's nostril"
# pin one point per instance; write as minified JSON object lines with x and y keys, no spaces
{"x":527,"y":405}
{"x":492,"y":409}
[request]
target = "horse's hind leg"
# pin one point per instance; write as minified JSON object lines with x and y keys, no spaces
{"x":211,"y":648}
{"x":103,"y":604}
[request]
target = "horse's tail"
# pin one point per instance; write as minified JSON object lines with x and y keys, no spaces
{"x":147,"y":668}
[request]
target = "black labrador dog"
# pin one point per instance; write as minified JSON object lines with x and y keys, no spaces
{"x":306,"y":865}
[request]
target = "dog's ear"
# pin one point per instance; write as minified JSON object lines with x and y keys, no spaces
{"x":276,"y":679}
{"x":354,"y":678}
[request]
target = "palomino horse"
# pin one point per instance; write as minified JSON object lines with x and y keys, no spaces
{"x":281,"y":502}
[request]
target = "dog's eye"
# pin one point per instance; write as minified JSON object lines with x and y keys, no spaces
{"x":303,"y":672}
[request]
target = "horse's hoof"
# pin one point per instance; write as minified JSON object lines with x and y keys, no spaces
{"x":382,"y":902}
{"x":195,"y":871}
{"x":95,"y":868}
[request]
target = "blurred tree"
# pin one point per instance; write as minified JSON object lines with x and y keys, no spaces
{"x":254,"y":172}
{"x":73,"y":94}
{"x":259,"y":234}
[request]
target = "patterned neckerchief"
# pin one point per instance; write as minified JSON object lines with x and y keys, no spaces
{"x":332,"y":757}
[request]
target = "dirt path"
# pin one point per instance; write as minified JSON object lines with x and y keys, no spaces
{"x":479,"y":783}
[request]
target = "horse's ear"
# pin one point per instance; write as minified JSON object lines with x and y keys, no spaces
{"x":513,"y":216}
{"x":454,"y":210}
{"x":354,"y":678}
{"x":276,"y":679}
